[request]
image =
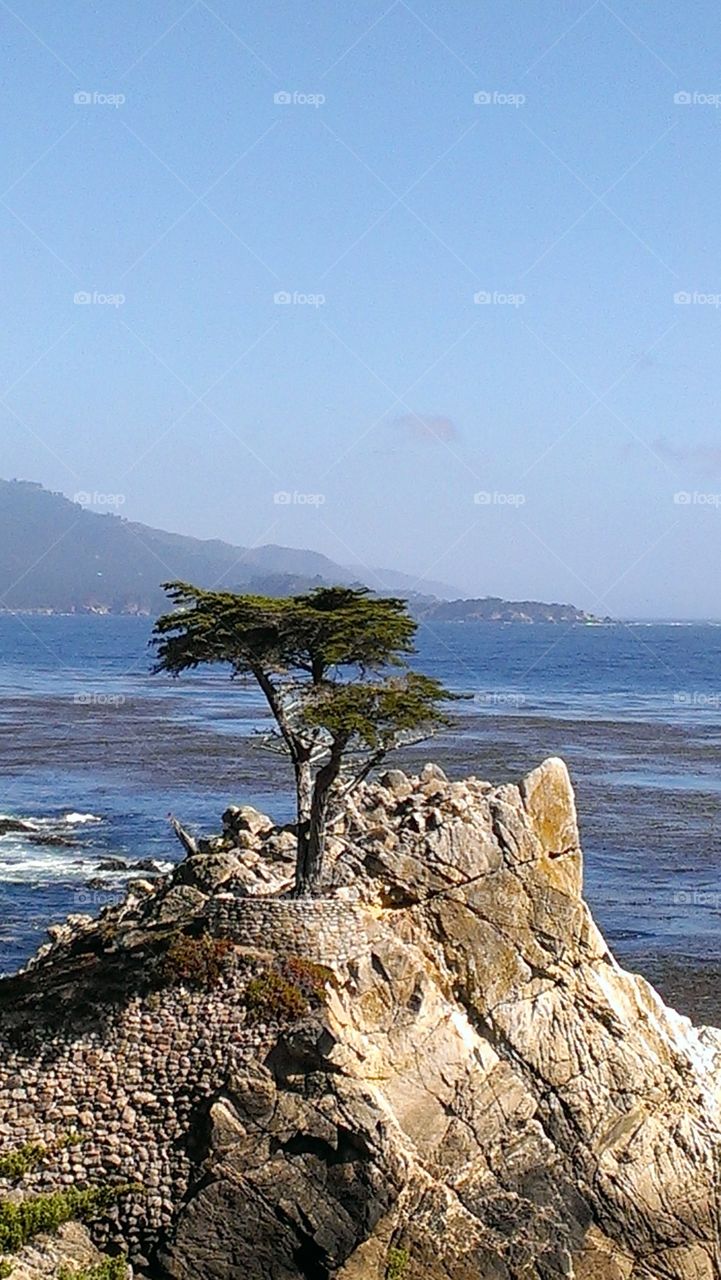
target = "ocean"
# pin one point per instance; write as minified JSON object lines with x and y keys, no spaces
{"x":97,"y":752}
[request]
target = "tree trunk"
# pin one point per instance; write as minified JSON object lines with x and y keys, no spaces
{"x":303,"y":803}
{"x":300,"y":755}
{"x":309,"y":872}
{"x":303,"y":788}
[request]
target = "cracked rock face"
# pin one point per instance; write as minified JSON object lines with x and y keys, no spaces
{"x":486,"y":1094}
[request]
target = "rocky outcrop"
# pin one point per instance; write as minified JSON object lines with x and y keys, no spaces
{"x":484,"y":1093}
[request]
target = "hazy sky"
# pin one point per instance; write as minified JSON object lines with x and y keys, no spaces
{"x":528,"y":445}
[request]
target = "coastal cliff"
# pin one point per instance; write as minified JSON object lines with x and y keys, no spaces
{"x":436,"y":1071}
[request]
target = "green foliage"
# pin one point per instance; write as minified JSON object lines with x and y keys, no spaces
{"x":14,"y":1165}
{"x":397,"y":1264}
{"x":6,"y":1269}
{"x":313,"y":635}
{"x":272,"y":998}
{"x":198,"y":962}
{"x":71,"y":1139}
{"x":108,"y":1269}
{"x":311,"y":979}
{"x":21,"y":1222}
{"x":288,"y":992}
{"x":326,"y":628}
{"x":374,"y":715}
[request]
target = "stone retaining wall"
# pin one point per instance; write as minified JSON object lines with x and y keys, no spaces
{"x":127,"y":1091}
{"x":129,"y":1088}
{"x":327,"y":931}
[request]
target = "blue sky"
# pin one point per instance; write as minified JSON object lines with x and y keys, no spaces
{"x":533,"y":444}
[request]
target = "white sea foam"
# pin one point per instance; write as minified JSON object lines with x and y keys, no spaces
{"x":71,"y":819}
{"x":21,"y":863}
{"x":29,"y":822}
{"x":24,"y":863}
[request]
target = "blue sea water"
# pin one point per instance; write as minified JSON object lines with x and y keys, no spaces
{"x":94,"y":747}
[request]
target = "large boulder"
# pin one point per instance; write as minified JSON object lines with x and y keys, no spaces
{"x":208,"y":871}
{"x":68,"y":1252}
{"x":244,"y":818}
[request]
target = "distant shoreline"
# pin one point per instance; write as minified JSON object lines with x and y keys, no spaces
{"x":422,"y":615}
{"x":421,"y":618}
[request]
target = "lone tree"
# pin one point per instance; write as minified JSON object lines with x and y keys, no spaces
{"x":333,"y":667}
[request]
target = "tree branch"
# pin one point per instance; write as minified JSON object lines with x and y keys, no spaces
{"x":187,"y":841}
{"x":360,"y":776}
{"x":291,"y":739}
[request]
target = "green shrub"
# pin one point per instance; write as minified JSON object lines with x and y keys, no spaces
{"x":397,"y":1264}
{"x":198,"y":962}
{"x":15,"y":1164}
{"x":21,"y":1222}
{"x":71,"y":1139}
{"x":6,"y":1269}
{"x":108,"y":1269}
{"x":287,"y":992}
{"x":310,"y":978}
{"x":272,"y":998}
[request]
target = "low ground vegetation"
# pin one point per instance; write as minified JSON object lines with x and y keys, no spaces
{"x":197,"y":962}
{"x":108,"y":1269}
{"x":288,"y":991}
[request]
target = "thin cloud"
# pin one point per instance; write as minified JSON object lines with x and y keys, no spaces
{"x":704,"y":458}
{"x":428,"y":427}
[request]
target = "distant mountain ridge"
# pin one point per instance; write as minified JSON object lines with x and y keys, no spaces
{"x":57,"y":556}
